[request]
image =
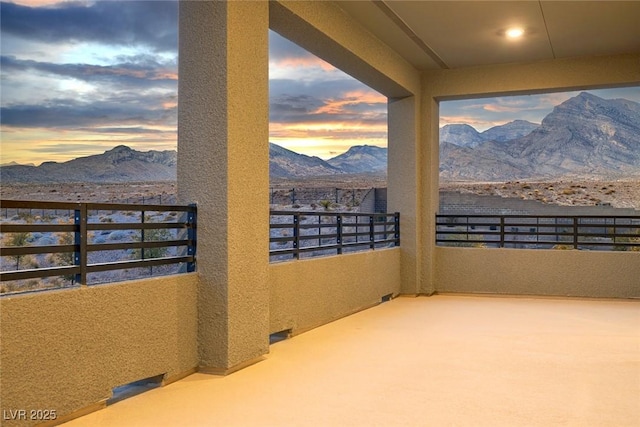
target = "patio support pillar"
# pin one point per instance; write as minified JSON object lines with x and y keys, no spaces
{"x":223,"y":166}
{"x":429,"y":188}
{"x":405,"y":185}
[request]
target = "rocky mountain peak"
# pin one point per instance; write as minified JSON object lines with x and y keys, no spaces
{"x":585,"y":135}
{"x":361,"y":159}
{"x":460,"y":134}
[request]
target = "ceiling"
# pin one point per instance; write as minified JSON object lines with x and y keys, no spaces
{"x":454,"y":34}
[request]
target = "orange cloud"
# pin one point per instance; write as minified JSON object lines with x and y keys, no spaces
{"x":368,"y":97}
{"x":477,"y":123}
{"x":337,"y":106}
{"x":512,"y":107}
{"x":301,"y":62}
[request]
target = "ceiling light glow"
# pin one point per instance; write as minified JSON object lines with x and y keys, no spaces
{"x":514,"y":33}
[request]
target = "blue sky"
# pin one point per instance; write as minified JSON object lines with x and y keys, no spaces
{"x":79,"y":78}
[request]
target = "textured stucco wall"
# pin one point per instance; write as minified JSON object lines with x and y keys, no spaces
{"x":404,"y":171}
{"x":538,"y":272}
{"x":485,"y":81}
{"x":311,"y":292}
{"x":223,"y":165}
{"x":66,"y":350}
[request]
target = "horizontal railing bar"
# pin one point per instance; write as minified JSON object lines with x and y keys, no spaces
{"x":489,"y":232}
{"x":135,"y":226}
{"x":138,"y":207}
{"x":37,"y":228}
{"x":152,"y":262}
{"x":316,"y":214}
{"x":39,"y":273}
{"x":367,"y":234}
{"x":608,"y":217}
{"x":137,"y":245}
{"x":285,"y":225}
{"x":281,"y":239}
{"x":33,"y":250}
{"x":34,"y":204}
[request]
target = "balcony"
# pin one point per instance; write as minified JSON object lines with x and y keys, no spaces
{"x":420,"y":361}
{"x":444,"y":360}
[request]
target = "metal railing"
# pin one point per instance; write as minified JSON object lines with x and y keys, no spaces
{"x":72,"y":234}
{"x":620,"y":233}
{"x":297,"y":234}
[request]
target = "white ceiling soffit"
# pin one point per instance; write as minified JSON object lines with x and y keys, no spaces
{"x":453,"y":34}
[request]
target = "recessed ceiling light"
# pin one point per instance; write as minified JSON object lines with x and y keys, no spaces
{"x":514,"y":33}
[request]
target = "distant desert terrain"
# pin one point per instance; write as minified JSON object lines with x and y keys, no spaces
{"x":152,"y":192}
{"x":618,"y":193}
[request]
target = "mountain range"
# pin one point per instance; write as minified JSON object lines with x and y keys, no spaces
{"x":124,"y":164}
{"x":584,"y":136}
{"x":120,"y":164}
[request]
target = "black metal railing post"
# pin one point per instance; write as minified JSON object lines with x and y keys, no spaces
{"x":396,"y":228}
{"x":372,"y":235}
{"x":502,"y":231}
{"x":77,"y":241}
{"x":80,"y":241}
{"x":339,"y":233}
{"x":191,"y":248}
{"x":296,"y":235}
{"x":142,"y":219}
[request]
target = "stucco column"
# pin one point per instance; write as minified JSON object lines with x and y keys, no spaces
{"x":404,"y":186}
{"x":429,"y":187}
{"x":223,"y":166}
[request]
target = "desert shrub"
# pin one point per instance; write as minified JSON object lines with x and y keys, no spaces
{"x":563,"y":247}
{"x":463,"y":244}
{"x":66,"y":258}
{"x":26,"y":217}
{"x":153,"y":235}
{"x":30,"y":261}
{"x":18,"y":240}
{"x":635,"y":240}
{"x":326,"y":204}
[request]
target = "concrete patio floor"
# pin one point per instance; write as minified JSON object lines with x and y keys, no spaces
{"x":428,"y":361}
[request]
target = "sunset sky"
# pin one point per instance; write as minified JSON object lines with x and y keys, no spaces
{"x":80,"y":78}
